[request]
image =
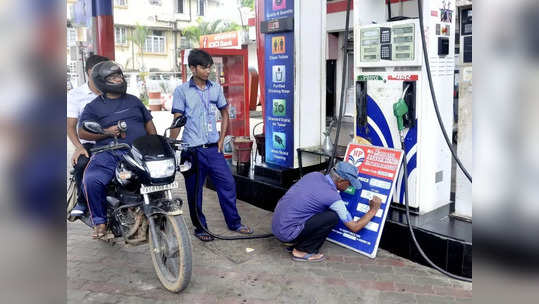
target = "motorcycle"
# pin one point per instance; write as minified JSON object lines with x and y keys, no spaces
{"x":140,"y":206}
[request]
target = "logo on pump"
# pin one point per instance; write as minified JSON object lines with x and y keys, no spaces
{"x":278,"y":45}
{"x":356,"y":157}
{"x":278,"y":4}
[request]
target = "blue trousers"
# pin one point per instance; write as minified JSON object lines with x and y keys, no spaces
{"x":98,"y":174}
{"x":213,"y":164}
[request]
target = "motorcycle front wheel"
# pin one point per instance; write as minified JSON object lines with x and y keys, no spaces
{"x":173,"y":259}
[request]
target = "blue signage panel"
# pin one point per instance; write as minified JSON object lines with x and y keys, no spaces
{"x":378,"y":169}
{"x":279,"y":92}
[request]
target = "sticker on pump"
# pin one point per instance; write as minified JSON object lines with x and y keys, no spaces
{"x":404,"y":77}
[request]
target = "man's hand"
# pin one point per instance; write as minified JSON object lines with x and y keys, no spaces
{"x":220,"y":144}
{"x":112,"y":131}
{"x":78,"y":152}
{"x":375,"y":204}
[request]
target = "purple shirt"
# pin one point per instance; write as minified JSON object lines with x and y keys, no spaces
{"x":311,"y":195}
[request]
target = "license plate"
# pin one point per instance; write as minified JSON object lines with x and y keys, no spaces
{"x":150,"y":189}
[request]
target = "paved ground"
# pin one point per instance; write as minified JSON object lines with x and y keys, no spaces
{"x":224,"y":272}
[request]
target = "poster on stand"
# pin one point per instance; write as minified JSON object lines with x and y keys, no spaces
{"x":279,"y":88}
{"x":378,"y":169}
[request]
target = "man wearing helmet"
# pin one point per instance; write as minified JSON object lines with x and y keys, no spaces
{"x":76,"y":101}
{"x":112,"y":106}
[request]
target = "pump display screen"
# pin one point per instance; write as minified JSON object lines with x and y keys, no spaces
{"x":370,"y":50}
{"x":369,"y":42}
{"x":402,"y":48}
{"x":402,"y":55}
{"x":370,"y":34}
{"x":403,"y":30}
{"x":402,"y":39}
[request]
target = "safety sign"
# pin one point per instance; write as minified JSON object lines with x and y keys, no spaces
{"x":378,"y":169}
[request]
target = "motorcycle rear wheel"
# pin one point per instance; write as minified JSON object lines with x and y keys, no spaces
{"x":173,"y":263}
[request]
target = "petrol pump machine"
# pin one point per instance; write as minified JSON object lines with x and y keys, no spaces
{"x":389,"y":66}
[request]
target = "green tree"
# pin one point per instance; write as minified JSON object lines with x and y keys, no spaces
{"x":138,"y":37}
{"x":248,"y":3}
{"x":193,"y":32}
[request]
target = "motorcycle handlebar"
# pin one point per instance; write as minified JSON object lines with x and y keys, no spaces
{"x":177,"y":144}
{"x":110,"y":147}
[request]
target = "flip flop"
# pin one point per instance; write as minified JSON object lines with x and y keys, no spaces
{"x":306,"y":257}
{"x":244,"y":229}
{"x":204,"y":237}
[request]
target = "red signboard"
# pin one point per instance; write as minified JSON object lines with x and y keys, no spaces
{"x":221,"y":40}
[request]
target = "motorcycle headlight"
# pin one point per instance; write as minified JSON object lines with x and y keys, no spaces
{"x":161,"y":168}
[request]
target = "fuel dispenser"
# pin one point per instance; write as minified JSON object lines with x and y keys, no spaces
{"x":389,"y":70}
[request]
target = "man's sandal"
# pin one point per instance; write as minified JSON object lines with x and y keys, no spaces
{"x":306,"y":258}
{"x":204,"y":236}
{"x":244,"y":229}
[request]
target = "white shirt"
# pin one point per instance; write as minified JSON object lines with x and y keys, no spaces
{"x":77,"y":99}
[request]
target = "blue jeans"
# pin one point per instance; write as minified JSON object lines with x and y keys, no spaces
{"x":213,"y":164}
{"x":97,"y":176}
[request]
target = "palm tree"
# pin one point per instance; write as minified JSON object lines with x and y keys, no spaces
{"x":138,"y":37}
{"x":193,"y":32}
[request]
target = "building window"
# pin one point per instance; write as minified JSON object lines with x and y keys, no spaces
{"x":201,"y":7}
{"x":179,"y":6}
{"x":155,"y":43}
{"x":120,"y":2}
{"x":71,"y":36}
{"x":120,"y":35}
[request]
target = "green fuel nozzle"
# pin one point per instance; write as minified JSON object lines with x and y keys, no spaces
{"x":400,"y":108}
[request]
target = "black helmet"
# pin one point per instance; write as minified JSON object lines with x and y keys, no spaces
{"x":101,"y":73}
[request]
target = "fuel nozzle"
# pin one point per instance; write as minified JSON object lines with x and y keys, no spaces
{"x":400,"y":108}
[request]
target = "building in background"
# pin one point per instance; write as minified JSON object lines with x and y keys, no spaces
{"x":164,"y":20}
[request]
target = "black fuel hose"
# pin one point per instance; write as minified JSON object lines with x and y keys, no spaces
{"x":343,"y":83}
{"x":429,"y":76}
{"x":217,"y":236}
{"x":454,"y":276}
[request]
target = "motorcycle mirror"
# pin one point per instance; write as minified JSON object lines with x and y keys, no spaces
{"x":92,"y":127}
{"x":179,"y":122}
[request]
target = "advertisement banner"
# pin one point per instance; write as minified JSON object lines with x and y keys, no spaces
{"x":378,"y":169}
{"x":279,"y":92}
{"x":221,"y":40}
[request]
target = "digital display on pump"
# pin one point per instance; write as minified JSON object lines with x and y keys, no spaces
{"x":402,"y":39}
{"x":369,"y":41}
{"x":403,"y":30}
{"x":374,"y":33}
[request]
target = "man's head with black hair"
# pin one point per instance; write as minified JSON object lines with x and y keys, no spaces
{"x":199,"y":57}
{"x":93,"y":60}
{"x":200,"y":63}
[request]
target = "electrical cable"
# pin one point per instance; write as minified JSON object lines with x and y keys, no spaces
{"x":431,"y":86}
{"x":454,"y":276}
{"x":344,"y":67}
{"x":217,"y":236}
